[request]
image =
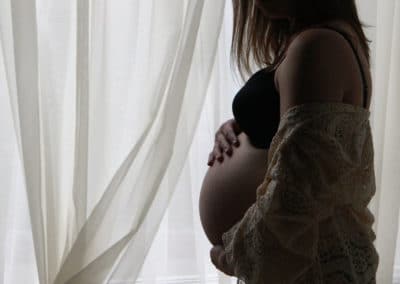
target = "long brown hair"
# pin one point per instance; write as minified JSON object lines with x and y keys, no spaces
{"x":262,"y":40}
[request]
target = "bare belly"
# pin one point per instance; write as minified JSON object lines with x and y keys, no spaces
{"x":229,"y":188}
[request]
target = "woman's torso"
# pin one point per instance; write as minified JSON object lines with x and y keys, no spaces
{"x":229,"y":188}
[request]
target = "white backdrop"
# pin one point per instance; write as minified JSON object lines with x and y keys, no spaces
{"x":108,"y":109}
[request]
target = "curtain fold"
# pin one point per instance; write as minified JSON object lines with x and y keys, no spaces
{"x":26,"y":114}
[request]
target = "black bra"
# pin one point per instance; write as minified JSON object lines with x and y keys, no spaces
{"x":256,"y":106}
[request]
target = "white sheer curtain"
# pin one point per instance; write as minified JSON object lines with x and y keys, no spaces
{"x":107,"y":115}
{"x":386,"y":120}
{"x":100,"y":100}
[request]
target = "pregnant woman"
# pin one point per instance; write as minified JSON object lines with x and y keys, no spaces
{"x":285,"y":198}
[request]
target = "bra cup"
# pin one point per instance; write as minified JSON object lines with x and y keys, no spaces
{"x":256,"y":108}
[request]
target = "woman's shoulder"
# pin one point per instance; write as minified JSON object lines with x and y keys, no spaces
{"x":316,"y":68}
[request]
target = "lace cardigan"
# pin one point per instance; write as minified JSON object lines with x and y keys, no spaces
{"x":310,"y":223}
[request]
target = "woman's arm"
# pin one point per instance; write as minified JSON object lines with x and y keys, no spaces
{"x":316,"y":69}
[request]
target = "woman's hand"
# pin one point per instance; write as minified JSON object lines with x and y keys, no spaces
{"x":218,"y":258}
{"x":225,"y":137}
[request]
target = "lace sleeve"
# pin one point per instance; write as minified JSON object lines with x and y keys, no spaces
{"x":316,"y":167}
{"x":310,"y":218}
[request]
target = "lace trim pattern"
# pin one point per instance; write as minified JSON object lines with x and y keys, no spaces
{"x":310,"y":223}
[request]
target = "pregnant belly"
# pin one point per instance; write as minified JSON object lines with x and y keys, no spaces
{"x":229,"y":188}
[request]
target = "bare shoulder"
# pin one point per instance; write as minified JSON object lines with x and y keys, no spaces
{"x":316,"y":68}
